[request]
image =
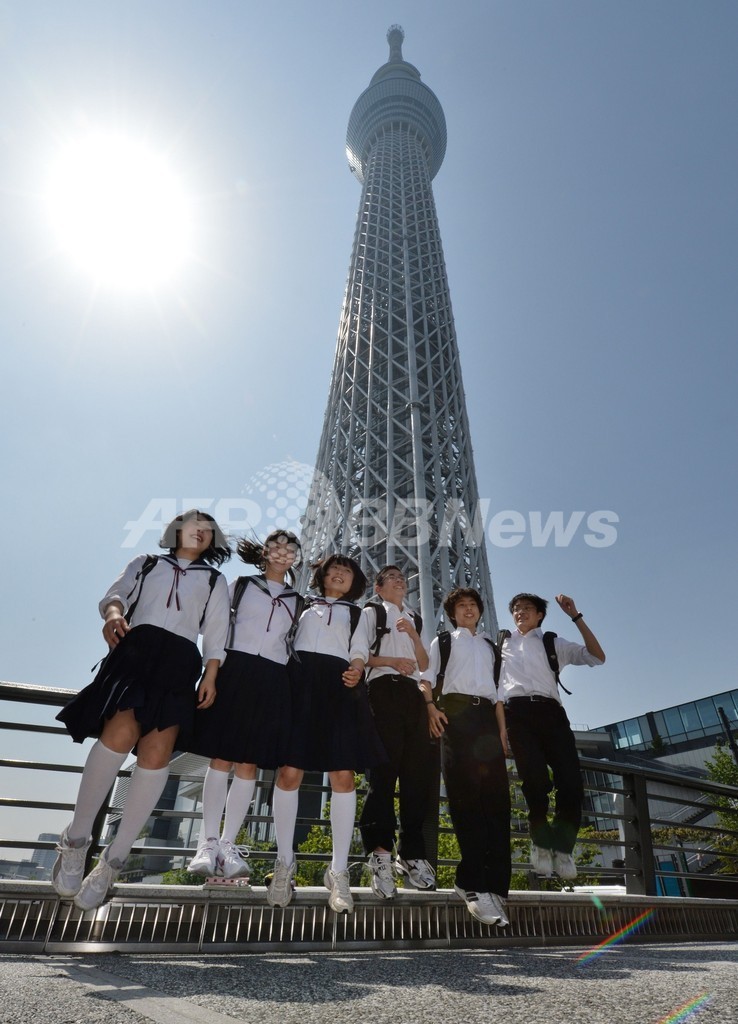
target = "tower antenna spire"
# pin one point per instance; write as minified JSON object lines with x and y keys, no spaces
{"x":395,"y":38}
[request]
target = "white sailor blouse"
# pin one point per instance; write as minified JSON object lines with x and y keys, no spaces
{"x":175,"y":595}
{"x":325,"y":628}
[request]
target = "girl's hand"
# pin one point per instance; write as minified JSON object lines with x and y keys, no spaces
{"x":206,"y":693}
{"x":206,"y":690}
{"x":115,"y":628}
{"x":351,"y":676}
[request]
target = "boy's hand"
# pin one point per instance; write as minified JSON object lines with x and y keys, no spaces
{"x":437,"y":721}
{"x":566,"y":604}
{"x":406,"y":626}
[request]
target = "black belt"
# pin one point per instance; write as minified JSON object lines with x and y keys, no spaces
{"x":465,"y":699}
{"x":533,"y":697}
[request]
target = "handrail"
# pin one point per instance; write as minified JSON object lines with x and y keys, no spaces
{"x":635,"y":827}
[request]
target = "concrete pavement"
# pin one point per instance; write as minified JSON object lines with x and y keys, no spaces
{"x":627,"y":984}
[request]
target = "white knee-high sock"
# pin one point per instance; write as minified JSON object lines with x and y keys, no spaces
{"x":98,"y":777}
{"x":147,"y":785}
{"x":284,"y":809}
{"x":214,"y":791}
{"x":343,"y":815}
{"x":237,"y":806}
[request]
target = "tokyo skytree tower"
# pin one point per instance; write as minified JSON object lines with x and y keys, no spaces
{"x":394,"y":476}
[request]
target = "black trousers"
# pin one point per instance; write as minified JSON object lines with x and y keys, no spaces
{"x":402,"y":724}
{"x":541,"y":738}
{"x":478,"y":794}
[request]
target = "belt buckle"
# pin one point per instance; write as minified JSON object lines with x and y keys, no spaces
{"x":476,"y":701}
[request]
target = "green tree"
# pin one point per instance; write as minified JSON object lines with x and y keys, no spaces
{"x":722,"y":768}
{"x":319,"y":840}
{"x":259,"y":866}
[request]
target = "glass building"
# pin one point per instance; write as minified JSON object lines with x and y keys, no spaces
{"x":681,"y":728}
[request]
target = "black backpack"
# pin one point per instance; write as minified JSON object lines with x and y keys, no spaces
{"x":260,"y":581}
{"x":550,"y":648}
{"x":382,"y":629}
{"x":444,"y":650}
{"x":149,"y":563}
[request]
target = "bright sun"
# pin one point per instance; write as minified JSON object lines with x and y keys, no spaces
{"x":119,"y":212}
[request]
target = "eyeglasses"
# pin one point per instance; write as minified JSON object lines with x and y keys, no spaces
{"x":394,"y":577}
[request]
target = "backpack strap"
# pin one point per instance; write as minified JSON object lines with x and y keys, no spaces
{"x":549,"y":645}
{"x":214,"y":574}
{"x":502,"y":636}
{"x":497,"y":658}
{"x":148,"y":564}
{"x":238,"y":591}
{"x":381,"y":628}
{"x":444,"y":650}
{"x":355,"y":616}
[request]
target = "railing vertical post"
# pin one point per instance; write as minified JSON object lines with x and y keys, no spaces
{"x":640,"y":876}
{"x":431,"y":824}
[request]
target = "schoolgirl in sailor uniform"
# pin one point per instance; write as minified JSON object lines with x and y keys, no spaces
{"x":144,"y":694}
{"x":248,"y":726}
{"x":332,"y":726}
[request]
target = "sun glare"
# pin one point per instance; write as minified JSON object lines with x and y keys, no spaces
{"x":119,"y":212}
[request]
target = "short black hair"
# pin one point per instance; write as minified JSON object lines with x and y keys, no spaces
{"x":219,"y":550}
{"x":451,"y":598}
{"x":321,"y":568}
{"x":539,"y":603}
{"x":379,"y":581}
{"x":253,"y":552}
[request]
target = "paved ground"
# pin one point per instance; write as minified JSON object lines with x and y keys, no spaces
{"x":628,"y":984}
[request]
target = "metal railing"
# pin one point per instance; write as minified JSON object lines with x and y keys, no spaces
{"x":665,"y":833}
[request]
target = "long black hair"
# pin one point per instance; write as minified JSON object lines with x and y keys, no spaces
{"x":219,"y":550}
{"x":253,"y":552}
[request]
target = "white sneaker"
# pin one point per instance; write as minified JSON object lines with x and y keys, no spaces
{"x":419,"y":873}
{"x":279,"y":890}
{"x":499,"y":905}
{"x":69,"y":867}
{"x":541,"y":861}
{"x":232,"y":860}
{"x":383,"y":876}
{"x":482,"y":906}
{"x":564,"y":866}
{"x":205,"y":860}
{"x":340,"y":899}
{"x":98,"y":883}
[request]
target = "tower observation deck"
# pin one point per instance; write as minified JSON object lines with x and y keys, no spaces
{"x":394,"y":477}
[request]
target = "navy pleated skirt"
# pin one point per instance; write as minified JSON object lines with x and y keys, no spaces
{"x":151,"y":671}
{"x":250,"y":719}
{"x":332,"y":724}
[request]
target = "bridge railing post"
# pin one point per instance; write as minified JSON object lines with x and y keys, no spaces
{"x":640,"y":875}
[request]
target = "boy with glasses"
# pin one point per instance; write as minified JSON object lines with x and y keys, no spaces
{"x":397,"y":657}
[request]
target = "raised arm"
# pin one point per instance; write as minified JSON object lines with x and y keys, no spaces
{"x":590,"y":640}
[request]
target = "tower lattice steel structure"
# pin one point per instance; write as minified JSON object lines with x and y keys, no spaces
{"x":394,"y":479}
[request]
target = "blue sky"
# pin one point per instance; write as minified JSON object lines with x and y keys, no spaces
{"x":587,"y":204}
